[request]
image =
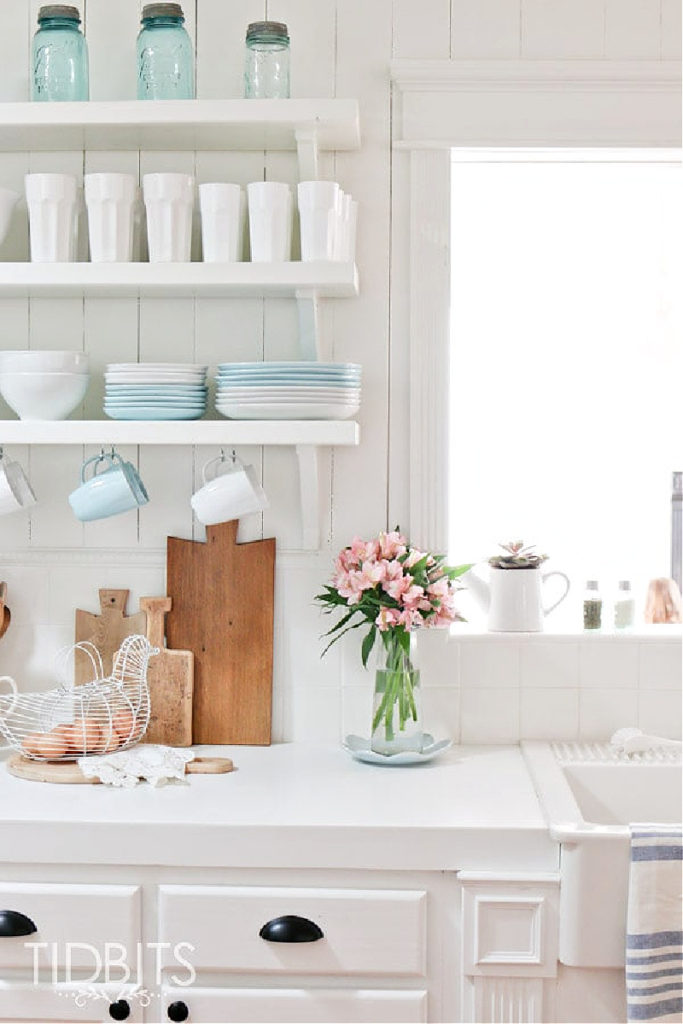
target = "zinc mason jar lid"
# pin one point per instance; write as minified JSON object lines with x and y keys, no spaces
{"x":267,"y":32}
{"x":150,"y":11}
{"x":61,"y":11}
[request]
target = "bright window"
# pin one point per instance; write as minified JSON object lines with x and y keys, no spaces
{"x":567,"y":366}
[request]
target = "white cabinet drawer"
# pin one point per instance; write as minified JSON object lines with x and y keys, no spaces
{"x":297,"y":1006}
{"x":66,"y":916}
{"x":364,"y":931}
{"x":63,"y":1004}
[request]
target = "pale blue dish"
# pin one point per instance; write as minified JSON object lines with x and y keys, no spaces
{"x":253,"y":382}
{"x":359,"y":748}
{"x":147,"y":413}
{"x":127,"y":389}
{"x":292,"y":364}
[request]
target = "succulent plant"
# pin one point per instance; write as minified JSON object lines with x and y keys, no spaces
{"x":517,"y":556}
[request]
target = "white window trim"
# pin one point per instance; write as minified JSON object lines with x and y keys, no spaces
{"x":502,"y":107}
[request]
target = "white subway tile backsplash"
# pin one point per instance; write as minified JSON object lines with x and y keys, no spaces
{"x":549,"y":714}
{"x":489,"y":716}
{"x":549,"y":664}
{"x":312,"y":714}
{"x":441,"y":712}
{"x":659,"y":713}
{"x":438,"y":658}
{"x":489,"y":664}
{"x":602,"y":712}
{"x":660,"y":666}
{"x":608,"y":664}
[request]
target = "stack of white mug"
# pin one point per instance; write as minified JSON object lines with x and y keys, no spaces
{"x":327,"y":219}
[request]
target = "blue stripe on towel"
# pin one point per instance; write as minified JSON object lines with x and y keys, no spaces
{"x":657,"y":853}
{"x":652,"y":940}
{"x":650,"y":1011}
{"x":656,"y":990}
{"x":645,"y":975}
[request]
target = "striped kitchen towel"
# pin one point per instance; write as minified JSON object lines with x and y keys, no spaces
{"x":654,"y":954}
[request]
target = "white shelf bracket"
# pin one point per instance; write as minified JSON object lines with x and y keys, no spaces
{"x":308,"y":306}
{"x":307,"y":152}
{"x":309,"y":489}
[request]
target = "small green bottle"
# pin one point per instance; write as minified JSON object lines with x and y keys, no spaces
{"x":592,"y":606}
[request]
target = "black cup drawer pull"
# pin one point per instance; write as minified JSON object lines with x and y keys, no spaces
{"x":178,"y":1011}
{"x":120,"y":1010}
{"x":291,"y":928}
{"x":13,"y":923}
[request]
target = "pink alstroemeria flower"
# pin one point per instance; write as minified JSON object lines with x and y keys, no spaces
{"x":387,"y":619}
{"x":391,"y":545}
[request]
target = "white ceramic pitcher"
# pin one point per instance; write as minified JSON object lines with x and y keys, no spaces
{"x":514,"y":598}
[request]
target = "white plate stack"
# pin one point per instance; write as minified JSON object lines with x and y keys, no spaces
{"x":288,"y":391}
{"x":155,"y":391}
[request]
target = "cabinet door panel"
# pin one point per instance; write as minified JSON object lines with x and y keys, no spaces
{"x":364,"y":931}
{"x":73,"y":922}
{"x":298,"y":1006}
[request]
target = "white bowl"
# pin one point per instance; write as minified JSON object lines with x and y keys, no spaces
{"x":8,"y":200}
{"x":43,"y":362}
{"x":43,"y":396}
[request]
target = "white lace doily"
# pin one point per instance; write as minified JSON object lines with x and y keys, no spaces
{"x":146,"y":762}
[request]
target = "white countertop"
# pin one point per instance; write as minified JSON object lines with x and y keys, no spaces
{"x":291,"y":805}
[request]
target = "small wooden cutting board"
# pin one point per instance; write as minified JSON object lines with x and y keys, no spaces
{"x":223,"y":599}
{"x":106,"y":631}
{"x":170,"y":677}
{"x":69,"y":773}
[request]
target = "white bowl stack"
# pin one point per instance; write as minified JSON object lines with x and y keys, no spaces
{"x":288,"y":391}
{"x":43,"y":385}
{"x":155,"y":391}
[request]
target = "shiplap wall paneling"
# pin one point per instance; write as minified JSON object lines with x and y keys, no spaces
{"x":571,"y":29}
{"x":361,"y":326}
{"x":485,"y":28}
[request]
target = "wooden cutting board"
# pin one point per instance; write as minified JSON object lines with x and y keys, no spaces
{"x":106,"y":631}
{"x":223,"y":597}
{"x":69,"y":772}
{"x":170,"y":676}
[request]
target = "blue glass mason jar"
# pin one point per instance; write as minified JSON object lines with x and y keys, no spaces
{"x":165,"y":67}
{"x":59,"y":56}
{"x":266,"y":69}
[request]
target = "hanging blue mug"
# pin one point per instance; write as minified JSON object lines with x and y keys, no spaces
{"x":114,"y":486}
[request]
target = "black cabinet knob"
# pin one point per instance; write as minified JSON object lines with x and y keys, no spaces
{"x":178,"y":1011}
{"x":120,"y":1010}
{"x":291,"y":928}
{"x":13,"y":923}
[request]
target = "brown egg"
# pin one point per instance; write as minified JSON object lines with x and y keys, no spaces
{"x":84,"y":735}
{"x":125,"y":725}
{"x":109,"y":738}
{"x":42,"y":744}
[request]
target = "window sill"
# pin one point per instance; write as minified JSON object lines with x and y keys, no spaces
{"x":468,"y":633}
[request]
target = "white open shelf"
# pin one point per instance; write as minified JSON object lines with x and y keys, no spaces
{"x":180,"y":280}
{"x":187,"y":432}
{"x":179,"y":125}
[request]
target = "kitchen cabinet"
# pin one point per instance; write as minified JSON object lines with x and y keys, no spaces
{"x":304,"y":125}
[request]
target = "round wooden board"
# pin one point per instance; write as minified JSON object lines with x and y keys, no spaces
{"x":68,"y":771}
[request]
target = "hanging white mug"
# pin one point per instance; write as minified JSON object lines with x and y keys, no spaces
{"x":233,"y":491}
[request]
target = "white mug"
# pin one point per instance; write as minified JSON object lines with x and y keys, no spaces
{"x":229,"y":495}
{"x":270,"y":221}
{"x":168,"y":201}
{"x":110,"y":199}
{"x":319,"y":216}
{"x":223,"y":208}
{"x":52,"y":215}
{"x":16,"y":492}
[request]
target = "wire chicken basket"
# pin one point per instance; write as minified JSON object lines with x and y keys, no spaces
{"x":69,"y":722}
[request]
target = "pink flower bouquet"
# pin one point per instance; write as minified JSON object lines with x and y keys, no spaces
{"x":394,"y":589}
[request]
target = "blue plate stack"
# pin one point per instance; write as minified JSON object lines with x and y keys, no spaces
{"x":155,"y":391}
{"x":288,"y":391}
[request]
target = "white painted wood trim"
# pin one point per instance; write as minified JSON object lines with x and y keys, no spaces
{"x":430,"y":182}
{"x":627,"y":76}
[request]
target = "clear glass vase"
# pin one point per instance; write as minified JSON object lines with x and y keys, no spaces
{"x":396,"y":709}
